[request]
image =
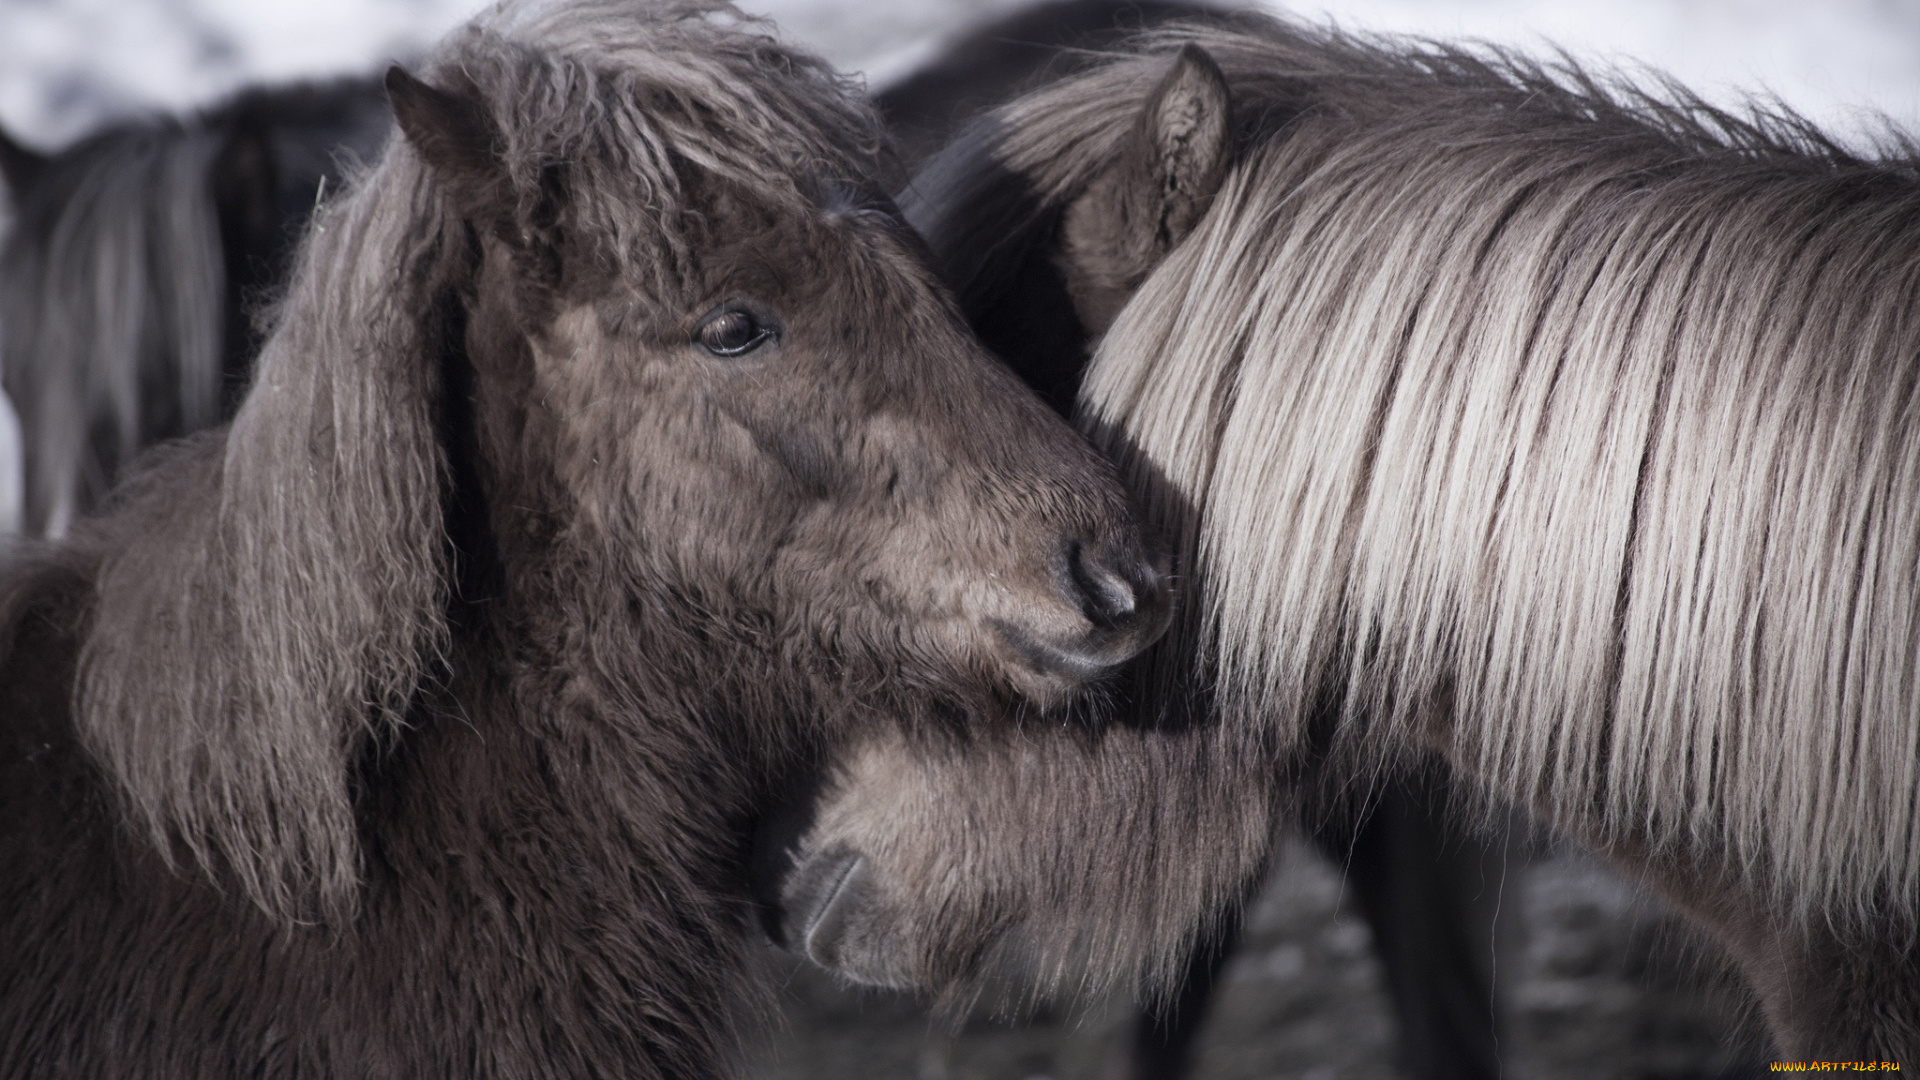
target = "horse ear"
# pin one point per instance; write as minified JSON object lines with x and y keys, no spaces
{"x":18,"y":164}
{"x":453,"y":133}
{"x":1167,"y":170}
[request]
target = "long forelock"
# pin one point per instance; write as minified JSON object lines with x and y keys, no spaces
{"x":631,"y":96}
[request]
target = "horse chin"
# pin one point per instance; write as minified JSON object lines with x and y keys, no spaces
{"x":1050,"y":673}
{"x":1043,"y":674}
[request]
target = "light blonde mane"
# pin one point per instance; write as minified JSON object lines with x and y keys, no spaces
{"x":1570,"y":428}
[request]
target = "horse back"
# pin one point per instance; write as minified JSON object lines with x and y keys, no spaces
{"x":107,"y":954}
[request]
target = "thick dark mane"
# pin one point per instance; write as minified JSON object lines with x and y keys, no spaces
{"x":621,"y":101}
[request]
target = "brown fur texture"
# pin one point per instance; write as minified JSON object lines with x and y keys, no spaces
{"x":614,"y":461}
{"x":1559,"y":426}
{"x":886,"y":892}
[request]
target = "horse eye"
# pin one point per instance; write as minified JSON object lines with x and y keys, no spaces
{"x":732,"y":332}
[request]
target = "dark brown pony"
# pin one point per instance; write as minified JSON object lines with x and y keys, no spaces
{"x":1567,"y":430}
{"x":614,"y":460}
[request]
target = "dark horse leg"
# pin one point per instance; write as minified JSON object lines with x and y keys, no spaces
{"x":1430,"y":894}
{"x":1163,"y":1036}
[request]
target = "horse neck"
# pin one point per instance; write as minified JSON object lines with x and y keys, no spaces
{"x":573,"y":862}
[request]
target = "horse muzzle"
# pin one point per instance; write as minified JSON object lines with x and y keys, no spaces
{"x":1109,"y":602}
{"x":827,"y":906}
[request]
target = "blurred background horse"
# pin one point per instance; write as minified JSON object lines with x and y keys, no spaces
{"x":135,"y":266}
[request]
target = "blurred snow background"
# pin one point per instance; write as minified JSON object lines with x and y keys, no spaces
{"x":67,"y":66}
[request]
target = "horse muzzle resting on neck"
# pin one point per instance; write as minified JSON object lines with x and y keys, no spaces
{"x":614,"y":462}
{"x":1565,"y":429}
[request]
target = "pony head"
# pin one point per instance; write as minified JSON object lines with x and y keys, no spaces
{"x":617,"y":344}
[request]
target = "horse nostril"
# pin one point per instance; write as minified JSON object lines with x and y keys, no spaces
{"x":1123,"y":595}
{"x":1109,"y":598}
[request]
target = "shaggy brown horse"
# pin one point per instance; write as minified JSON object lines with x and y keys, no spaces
{"x":1569,"y":431}
{"x":614,"y":460}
